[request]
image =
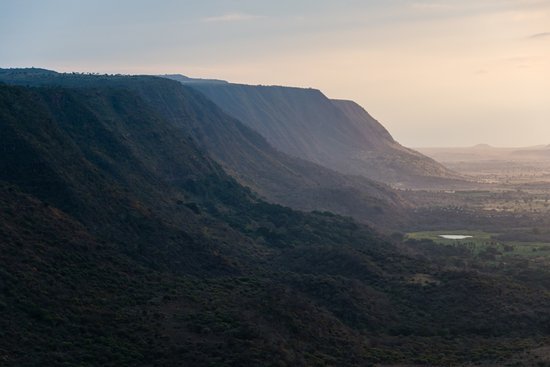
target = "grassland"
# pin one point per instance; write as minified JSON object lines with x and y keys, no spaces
{"x":488,"y":245}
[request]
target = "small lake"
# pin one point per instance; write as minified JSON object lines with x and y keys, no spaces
{"x":454,"y":236}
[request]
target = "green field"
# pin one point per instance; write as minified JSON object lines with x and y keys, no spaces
{"x":483,"y":244}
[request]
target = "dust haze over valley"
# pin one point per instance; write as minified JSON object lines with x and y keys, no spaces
{"x":495,"y":164}
{"x":190,"y":202}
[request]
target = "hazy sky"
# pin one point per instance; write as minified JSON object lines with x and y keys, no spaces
{"x":435,"y":73}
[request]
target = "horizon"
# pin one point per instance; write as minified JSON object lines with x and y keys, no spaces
{"x":433,"y":73}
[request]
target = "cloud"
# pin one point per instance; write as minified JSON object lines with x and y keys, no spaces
{"x":432,"y":6}
{"x":540,"y":35}
{"x":231,"y":17}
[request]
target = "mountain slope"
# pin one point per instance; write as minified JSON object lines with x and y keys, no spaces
{"x":124,"y":244}
{"x":385,"y":153}
{"x":337,"y":134}
{"x":244,"y":153}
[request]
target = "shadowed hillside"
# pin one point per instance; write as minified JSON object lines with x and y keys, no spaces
{"x":244,"y":153}
{"x":123,"y":243}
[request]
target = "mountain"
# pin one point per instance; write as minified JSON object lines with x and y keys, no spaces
{"x":245,"y":154}
{"x":339,"y":135}
{"x":121,"y":240}
{"x":124,"y":243}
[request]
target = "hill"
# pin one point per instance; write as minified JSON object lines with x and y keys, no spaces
{"x":124,"y":243}
{"x":245,"y":154}
{"x":339,"y":135}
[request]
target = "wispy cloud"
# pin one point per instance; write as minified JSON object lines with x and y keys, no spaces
{"x":540,"y":35}
{"x":432,"y":6}
{"x":231,"y":17}
{"x":481,"y":72}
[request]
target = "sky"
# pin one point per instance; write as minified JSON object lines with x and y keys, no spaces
{"x":434,"y":72}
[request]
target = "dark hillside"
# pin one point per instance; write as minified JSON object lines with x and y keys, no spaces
{"x":124,"y":244}
{"x":244,"y":153}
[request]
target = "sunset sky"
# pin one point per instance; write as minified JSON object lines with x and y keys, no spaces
{"x":435,"y":73}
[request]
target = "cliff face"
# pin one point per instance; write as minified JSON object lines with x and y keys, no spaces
{"x":337,"y":134}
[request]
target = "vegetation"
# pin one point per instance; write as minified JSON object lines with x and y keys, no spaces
{"x":124,"y":243}
{"x":241,"y":151}
{"x":490,"y":247}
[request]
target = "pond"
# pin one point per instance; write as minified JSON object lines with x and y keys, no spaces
{"x":454,"y":236}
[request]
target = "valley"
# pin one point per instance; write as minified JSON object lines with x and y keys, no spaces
{"x":508,"y":189}
{"x":495,"y":248}
{"x":493,"y":165}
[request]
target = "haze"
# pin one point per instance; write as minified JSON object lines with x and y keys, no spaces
{"x":435,"y":73}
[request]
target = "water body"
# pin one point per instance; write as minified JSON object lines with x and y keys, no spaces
{"x":454,"y":236}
